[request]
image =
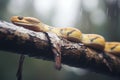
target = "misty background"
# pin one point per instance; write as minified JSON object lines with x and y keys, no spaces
{"x":90,"y":16}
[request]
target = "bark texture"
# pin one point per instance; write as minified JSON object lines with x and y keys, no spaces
{"x":38,"y":44}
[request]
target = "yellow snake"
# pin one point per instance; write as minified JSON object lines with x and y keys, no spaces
{"x":73,"y":34}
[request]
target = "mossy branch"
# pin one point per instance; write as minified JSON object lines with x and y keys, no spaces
{"x":36,"y":44}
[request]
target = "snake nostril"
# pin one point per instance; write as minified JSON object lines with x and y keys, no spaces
{"x":20,"y":18}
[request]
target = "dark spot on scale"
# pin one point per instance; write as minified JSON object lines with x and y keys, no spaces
{"x":20,"y":17}
{"x":93,"y":39}
{"x":70,"y":32}
{"x":114,"y":47}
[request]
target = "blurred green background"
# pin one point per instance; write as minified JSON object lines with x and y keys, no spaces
{"x":90,"y":16}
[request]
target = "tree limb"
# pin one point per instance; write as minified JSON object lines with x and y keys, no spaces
{"x":36,"y":44}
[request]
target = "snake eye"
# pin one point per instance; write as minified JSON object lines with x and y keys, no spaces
{"x":20,"y":18}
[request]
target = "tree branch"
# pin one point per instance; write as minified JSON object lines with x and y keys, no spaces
{"x":36,"y":44}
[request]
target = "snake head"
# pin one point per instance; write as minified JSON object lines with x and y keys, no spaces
{"x":26,"y":22}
